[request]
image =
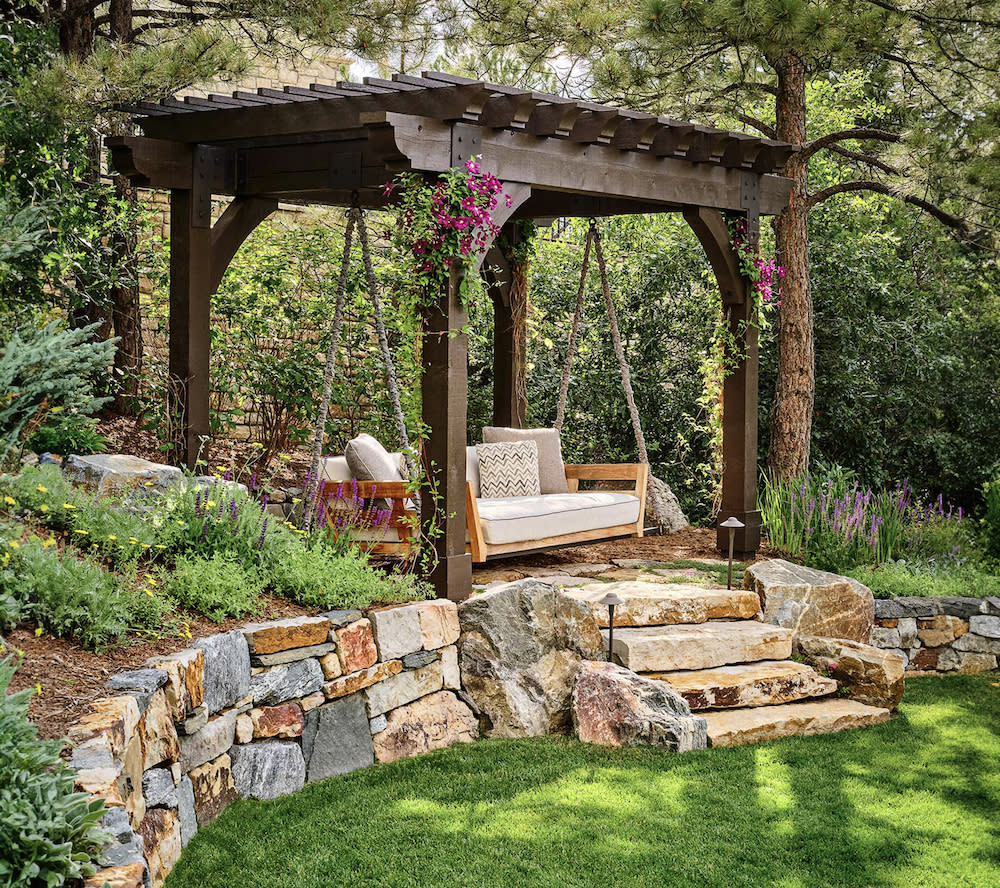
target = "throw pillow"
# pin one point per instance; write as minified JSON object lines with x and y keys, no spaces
{"x":551,"y":471}
{"x":370,"y":461}
{"x":508,"y":469}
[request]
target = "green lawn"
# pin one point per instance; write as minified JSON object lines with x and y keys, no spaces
{"x":915,"y":802}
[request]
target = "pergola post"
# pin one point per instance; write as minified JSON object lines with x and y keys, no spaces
{"x":739,"y":389}
{"x":444,"y":387}
{"x":190,"y":309}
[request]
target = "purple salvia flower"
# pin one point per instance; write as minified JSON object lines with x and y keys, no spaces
{"x":204,"y":532}
{"x":222,"y":507}
{"x":263,"y":533}
{"x":253,"y":481}
{"x":197,"y":505}
{"x":232,"y":509}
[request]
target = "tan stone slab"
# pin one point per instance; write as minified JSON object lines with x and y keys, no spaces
{"x":736,"y":727}
{"x":283,"y":635}
{"x":766,"y":683}
{"x":128,"y":875}
{"x":357,"y":681}
{"x":699,"y":646}
{"x":666,"y":604}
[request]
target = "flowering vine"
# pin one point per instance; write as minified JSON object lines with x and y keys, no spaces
{"x":444,"y":223}
{"x":764,"y":275}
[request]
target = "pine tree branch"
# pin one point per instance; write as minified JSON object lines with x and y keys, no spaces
{"x":758,"y":125}
{"x":944,"y":217}
{"x":867,"y":159}
{"x":858,"y":132}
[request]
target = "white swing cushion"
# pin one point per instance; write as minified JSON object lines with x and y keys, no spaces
{"x":520,"y":519}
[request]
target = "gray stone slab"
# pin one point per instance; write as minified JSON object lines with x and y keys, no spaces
{"x":208,"y":743}
{"x":90,"y":758}
{"x":418,"y":659}
{"x":378,"y":724}
{"x":194,"y":722}
{"x":340,"y":618}
{"x":991,"y":606}
{"x":186,"y":810}
{"x":341,"y":739}
{"x":158,"y":788}
{"x":987,"y":625}
{"x":281,"y":683}
{"x":268,"y":770}
{"x":124,"y":853}
{"x":144,"y":681}
{"x":115,"y":821}
{"x":293,"y":655}
{"x":976,"y":643}
{"x":115,"y":474}
{"x":963,"y":608}
{"x":227,"y":669}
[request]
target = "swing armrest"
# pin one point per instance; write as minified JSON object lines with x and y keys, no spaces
{"x":390,"y":490}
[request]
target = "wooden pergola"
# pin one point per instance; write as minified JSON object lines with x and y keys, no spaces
{"x":557,"y":157}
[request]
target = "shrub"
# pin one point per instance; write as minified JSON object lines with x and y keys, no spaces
{"x":317,"y":576}
{"x":42,"y":493}
{"x":897,"y":579}
{"x":217,"y":587}
{"x":48,"y":833}
{"x":68,"y":433}
{"x":991,"y":518}
{"x":47,"y":372}
{"x":117,"y":534}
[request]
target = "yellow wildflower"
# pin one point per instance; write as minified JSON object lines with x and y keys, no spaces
{"x":39,"y":631}
{"x":9,"y":500}
{"x":149,"y":592}
{"x":46,"y":544}
{"x":38,"y":689}
{"x":69,"y":507}
{"x":151,"y":581}
{"x":296,"y":499}
{"x":145,"y":545}
{"x":84,"y":532}
{"x":14,"y":544}
{"x":42,"y":489}
{"x":211,"y":504}
{"x":220,"y":468}
{"x":43,"y":507}
{"x":133,"y":541}
{"x":112,"y":537}
{"x":160,"y":546}
{"x":148,"y":484}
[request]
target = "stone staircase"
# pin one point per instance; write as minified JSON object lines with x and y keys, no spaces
{"x":710,"y":646}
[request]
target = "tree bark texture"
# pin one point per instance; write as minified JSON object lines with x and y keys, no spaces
{"x":791,"y":415}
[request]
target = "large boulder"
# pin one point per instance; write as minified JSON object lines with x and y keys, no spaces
{"x":812,"y":602}
{"x":116,"y":474}
{"x":612,"y":706}
{"x":520,"y":649}
{"x":867,"y":674}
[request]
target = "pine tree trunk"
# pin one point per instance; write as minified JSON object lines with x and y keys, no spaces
{"x":791,"y":416}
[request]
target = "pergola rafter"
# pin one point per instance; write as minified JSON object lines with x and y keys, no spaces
{"x":331,"y":144}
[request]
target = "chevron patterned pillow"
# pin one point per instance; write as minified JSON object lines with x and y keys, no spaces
{"x":508,"y":469}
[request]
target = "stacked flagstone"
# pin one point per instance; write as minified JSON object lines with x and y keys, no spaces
{"x":940,"y":634}
{"x":259,"y":712}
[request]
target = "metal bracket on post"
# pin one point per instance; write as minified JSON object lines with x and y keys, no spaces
{"x":466,"y":142}
{"x":750,"y":201}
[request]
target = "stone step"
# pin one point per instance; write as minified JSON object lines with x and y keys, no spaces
{"x":736,"y":727}
{"x":768,"y":683}
{"x":699,"y":646}
{"x":666,"y":604}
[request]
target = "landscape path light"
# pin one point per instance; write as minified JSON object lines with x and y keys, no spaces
{"x":732,"y":524}
{"x":612,"y":600}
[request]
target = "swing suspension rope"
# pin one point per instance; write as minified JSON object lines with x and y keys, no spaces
{"x":356,"y":220}
{"x":593,"y":243}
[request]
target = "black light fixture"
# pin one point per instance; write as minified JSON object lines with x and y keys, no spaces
{"x":732,"y":524}
{"x":612,"y":600}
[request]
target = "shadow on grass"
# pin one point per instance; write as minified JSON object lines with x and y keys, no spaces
{"x":912,"y":802}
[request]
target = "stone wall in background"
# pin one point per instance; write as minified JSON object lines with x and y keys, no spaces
{"x":258,"y":712}
{"x":940,"y":634}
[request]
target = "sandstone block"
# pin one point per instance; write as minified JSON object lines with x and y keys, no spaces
{"x":450,"y":672}
{"x":356,"y":646}
{"x":157,"y":733}
{"x":161,"y":836}
{"x":735,"y":727}
{"x":284,"y":635}
{"x":615,"y":707}
{"x":128,"y":876}
{"x":194,"y":722}
{"x":209,"y":743}
{"x":750,"y":684}
{"x":184,"y":688}
{"x":268,"y":770}
{"x":227,"y":669}
{"x":330,"y":664}
{"x":439,"y":625}
{"x":313,"y":701}
{"x":213,"y":789}
{"x":337,"y":739}
{"x":907,"y":632}
{"x":869,"y":675}
{"x":812,"y":602}
{"x":284,"y":721}
{"x":403,"y":688}
{"x":130,"y":781}
{"x":886,"y":638}
{"x":940,"y":629}
{"x":661,"y":604}
{"x":397,"y":631}
{"x":281,"y":683}
{"x":357,"y":681}
{"x":429,"y":723}
{"x":114,"y":717}
{"x":116,"y":474}
{"x":293,"y":655}
{"x":926,"y":658}
{"x":244,"y":728}
{"x":966,"y":662}
{"x":521,"y":646}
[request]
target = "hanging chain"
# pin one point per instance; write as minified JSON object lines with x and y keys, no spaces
{"x":577,"y":314}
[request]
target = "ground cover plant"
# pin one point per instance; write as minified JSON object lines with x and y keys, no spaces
{"x":889,"y":539}
{"x":96,"y":569}
{"x":48,"y":833}
{"x":911,"y":803}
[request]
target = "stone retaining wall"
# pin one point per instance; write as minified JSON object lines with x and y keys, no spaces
{"x":259,"y":712}
{"x":940,"y":634}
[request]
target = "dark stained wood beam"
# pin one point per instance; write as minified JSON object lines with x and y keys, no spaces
{"x":234,"y":226}
{"x":739,"y":389}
